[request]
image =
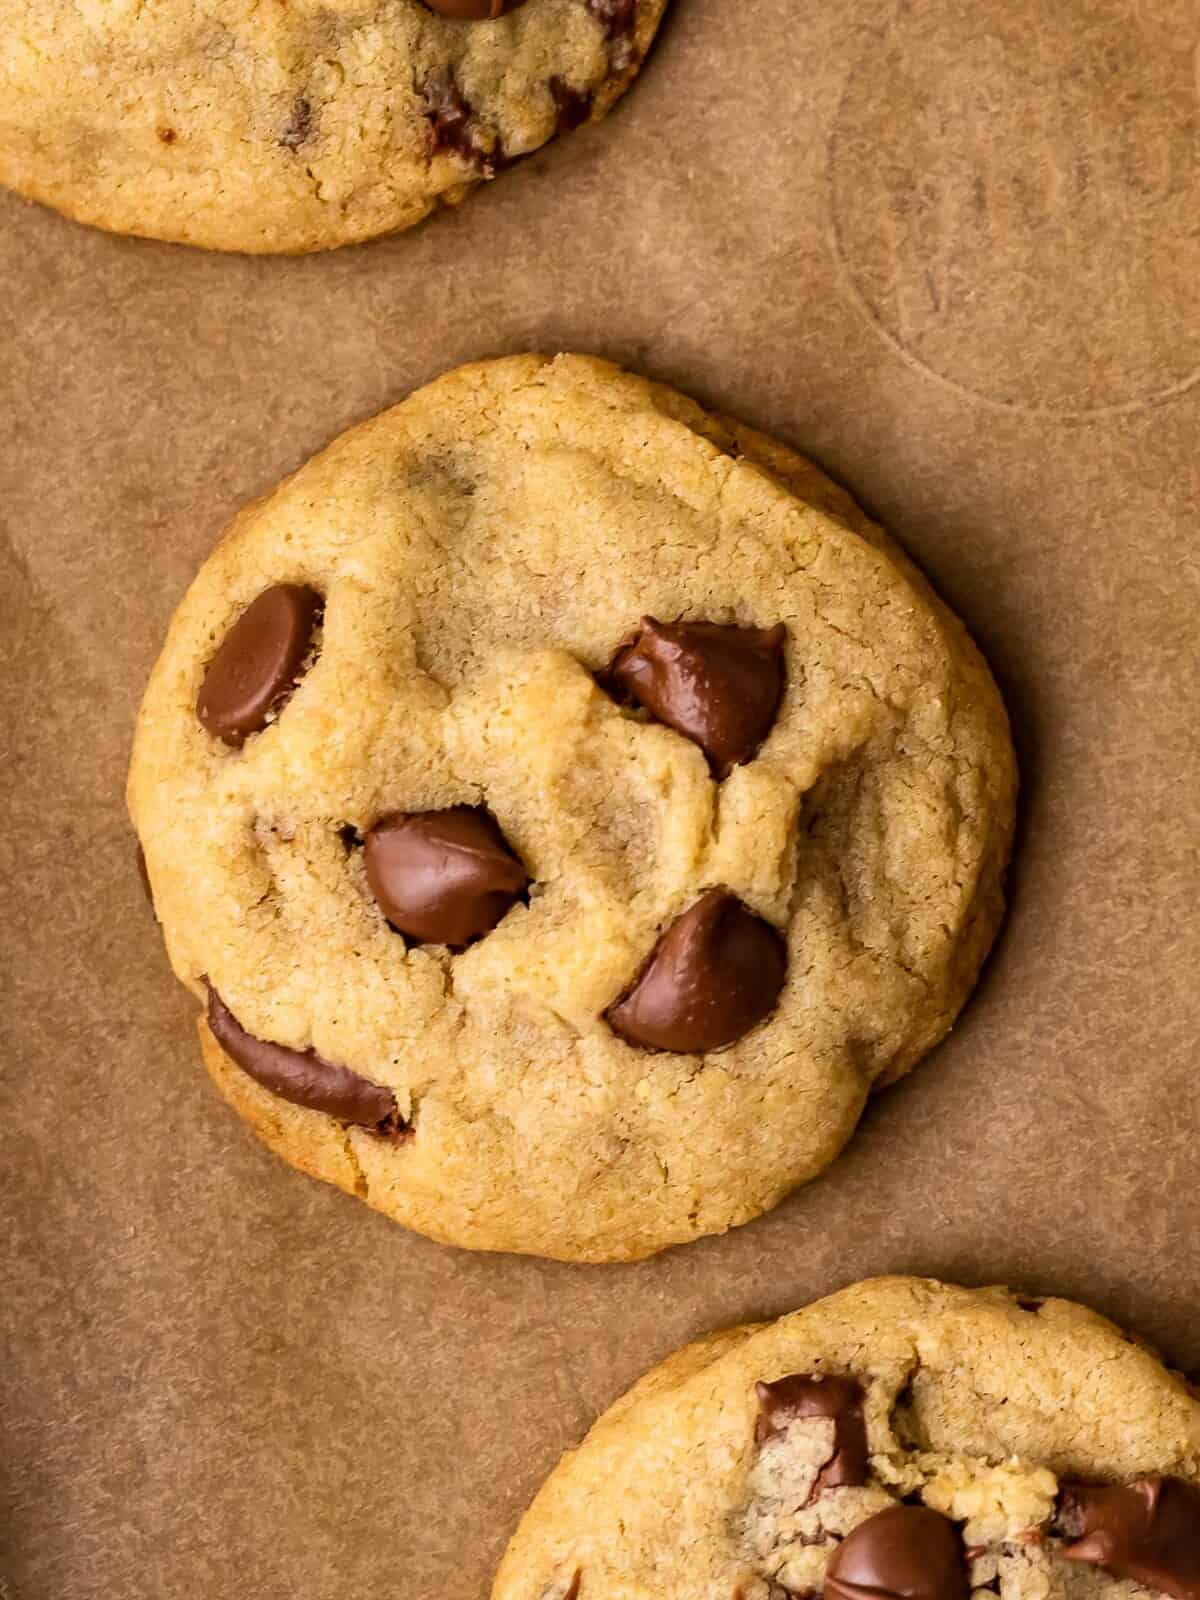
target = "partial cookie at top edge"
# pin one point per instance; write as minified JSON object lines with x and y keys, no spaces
{"x":297,"y":128}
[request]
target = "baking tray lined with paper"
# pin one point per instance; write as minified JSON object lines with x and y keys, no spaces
{"x":950,"y":258}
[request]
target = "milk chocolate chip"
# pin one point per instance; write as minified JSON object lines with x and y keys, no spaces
{"x":904,"y":1553}
{"x":449,"y":116}
{"x":572,"y":106}
{"x":716,"y":971}
{"x":304,"y":1077}
{"x":718,"y":686}
{"x":838,"y":1400}
{"x":472,"y":10}
{"x":1147,"y":1531}
{"x":615,"y":15}
{"x":617,"y":18}
{"x":257,"y":662}
{"x":442,"y":877}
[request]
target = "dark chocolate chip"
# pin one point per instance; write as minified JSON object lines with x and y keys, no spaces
{"x":1147,"y":1531}
{"x":449,"y":115}
{"x":167,"y":135}
{"x":839,"y":1400}
{"x":442,"y":877}
{"x":574,"y":106}
{"x":716,"y":972}
{"x":1030,"y":1303}
{"x":617,"y":18}
{"x":257,"y":662}
{"x":904,"y":1553}
{"x":472,"y":10}
{"x":304,"y":1077}
{"x":718,"y":686}
{"x":298,"y":126}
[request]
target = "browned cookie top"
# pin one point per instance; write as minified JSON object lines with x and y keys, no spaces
{"x":614,"y":816}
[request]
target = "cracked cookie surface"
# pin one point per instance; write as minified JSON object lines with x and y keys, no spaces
{"x":974,"y":1408}
{"x":480,"y":552}
{"x":292,"y":125}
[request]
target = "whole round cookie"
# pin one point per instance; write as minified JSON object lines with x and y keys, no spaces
{"x":294,"y":125}
{"x":901,"y":1440}
{"x":564,"y":823}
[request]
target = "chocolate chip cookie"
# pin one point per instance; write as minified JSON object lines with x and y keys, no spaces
{"x":901,"y":1440}
{"x":567,"y":808}
{"x":295,"y":125}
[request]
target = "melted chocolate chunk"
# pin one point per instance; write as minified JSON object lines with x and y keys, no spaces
{"x":839,"y":1400}
{"x":714,"y":974}
{"x":298,"y":126}
{"x":904,"y":1553}
{"x":718,"y":686}
{"x":1147,"y":1531}
{"x":573,"y":106}
{"x":450,"y":117}
{"x":617,"y":18}
{"x":472,"y":10}
{"x":257,"y":663}
{"x":304,"y":1077}
{"x":442,"y":877}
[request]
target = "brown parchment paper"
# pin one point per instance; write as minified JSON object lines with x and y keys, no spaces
{"x":951,"y":250}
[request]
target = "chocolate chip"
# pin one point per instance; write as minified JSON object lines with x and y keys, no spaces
{"x":1147,"y":1531}
{"x":167,"y":135}
{"x":472,"y":10}
{"x":298,"y":126}
{"x":716,"y":971}
{"x":904,"y":1553}
{"x":257,"y":662}
{"x":574,"y":106}
{"x":304,"y":1077}
{"x":442,"y":877}
{"x":449,"y":115}
{"x":839,"y":1400}
{"x":1030,"y":1303}
{"x":617,"y":18}
{"x":718,"y":686}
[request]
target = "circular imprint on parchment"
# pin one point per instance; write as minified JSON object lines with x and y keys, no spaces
{"x":1016,"y":198}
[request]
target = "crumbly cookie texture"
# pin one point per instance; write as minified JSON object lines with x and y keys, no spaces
{"x":976,"y":1404}
{"x":481,"y":551}
{"x":292,"y":125}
